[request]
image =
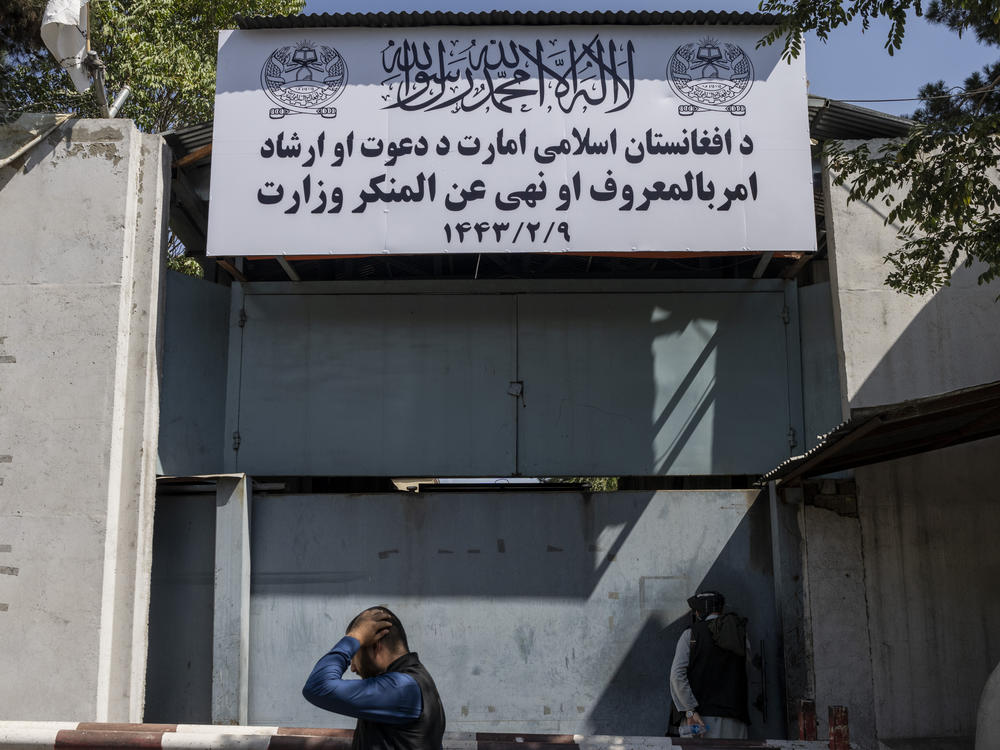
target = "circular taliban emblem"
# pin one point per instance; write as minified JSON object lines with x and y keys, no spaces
{"x":710,"y":75}
{"x":304,"y":78}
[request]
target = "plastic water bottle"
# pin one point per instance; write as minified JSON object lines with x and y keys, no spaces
{"x":691,"y":730}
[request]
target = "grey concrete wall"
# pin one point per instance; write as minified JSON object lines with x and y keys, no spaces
{"x":930,"y":527}
{"x":893,"y":347}
{"x":820,"y":370}
{"x":534,"y":611}
{"x":929,"y":522}
{"x":673,"y":383}
{"x":618,"y":378}
{"x":81,"y":242}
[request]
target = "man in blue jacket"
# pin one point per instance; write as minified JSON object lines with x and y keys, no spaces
{"x":396,"y":702}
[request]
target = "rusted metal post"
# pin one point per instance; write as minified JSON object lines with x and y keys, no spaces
{"x":807,"y":720}
{"x":840,"y":737}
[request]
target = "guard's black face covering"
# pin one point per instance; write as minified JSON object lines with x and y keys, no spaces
{"x":705,"y":603}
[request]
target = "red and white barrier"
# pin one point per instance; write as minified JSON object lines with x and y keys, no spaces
{"x":42,"y":735}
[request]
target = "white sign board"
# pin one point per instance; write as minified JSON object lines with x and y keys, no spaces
{"x":508,"y":139}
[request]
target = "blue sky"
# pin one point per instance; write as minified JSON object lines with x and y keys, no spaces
{"x":849,"y":66}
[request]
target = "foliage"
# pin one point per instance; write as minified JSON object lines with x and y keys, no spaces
{"x":27,"y":72}
{"x":164,"y":50}
{"x":823,"y":16}
{"x":185,"y":264}
{"x":949,"y":213}
{"x":594,"y":484}
{"x":940,"y":181}
{"x":976,"y":96}
{"x":178,"y":261}
{"x":19,"y":21}
{"x":959,"y":17}
{"x":34,"y":83}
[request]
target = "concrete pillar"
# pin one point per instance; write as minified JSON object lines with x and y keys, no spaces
{"x":837,"y":619}
{"x":231,"y":625}
{"x":82,"y":228}
{"x":791,"y":599}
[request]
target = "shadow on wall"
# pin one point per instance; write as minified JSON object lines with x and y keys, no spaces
{"x":952,"y":342}
{"x":757,"y":396}
{"x":588,"y":584}
{"x":653,"y":384}
{"x":428,"y":545}
{"x":560,"y":596}
{"x":927,"y":518}
{"x":514,"y":600}
{"x":636,"y":701}
{"x":38,"y":154}
{"x":182,"y":599}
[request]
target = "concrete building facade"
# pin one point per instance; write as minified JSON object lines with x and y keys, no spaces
{"x":275,"y":413}
{"x":84,"y":220}
{"x":922,"y":539}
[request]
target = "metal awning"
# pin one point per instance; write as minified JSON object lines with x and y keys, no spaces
{"x":882,"y":433}
{"x":831,"y":119}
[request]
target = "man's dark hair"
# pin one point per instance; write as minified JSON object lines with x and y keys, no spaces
{"x":396,"y":636}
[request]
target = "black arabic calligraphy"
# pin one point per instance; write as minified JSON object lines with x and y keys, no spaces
{"x":504,"y":73}
{"x":384,"y":189}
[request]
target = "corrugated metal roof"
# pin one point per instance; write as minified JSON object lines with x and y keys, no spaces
{"x":185,"y":140}
{"x":830,"y":119}
{"x":882,"y":433}
{"x":510,"y":18}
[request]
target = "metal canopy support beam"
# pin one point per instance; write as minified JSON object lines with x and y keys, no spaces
{"x":197,"y":208}
{"x":287,"y":268}
{"x":232,"y":270}
{"x":202,"y":152}
{"x":188,"y":232}
{"x":231,"y":628}
{"x":188,"y":213}
{"x":765,"y":259}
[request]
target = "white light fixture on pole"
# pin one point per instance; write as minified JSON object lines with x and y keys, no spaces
{"x":65,"y":31}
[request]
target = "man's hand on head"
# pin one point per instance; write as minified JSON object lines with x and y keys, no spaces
{"x":370,"y":627}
